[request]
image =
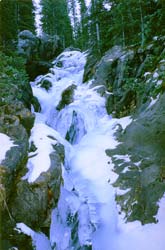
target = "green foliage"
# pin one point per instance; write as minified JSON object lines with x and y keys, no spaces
{"x":15,"y":16}
{"x":56,"y":20}
{"x":26,"y":15}
{"x":13,"y":79}
{"x":12,"y":68}
{"x":134,"y":84}
{"x":125,"y":22}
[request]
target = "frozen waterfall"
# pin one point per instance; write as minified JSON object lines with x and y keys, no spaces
{"x":86,"y":216}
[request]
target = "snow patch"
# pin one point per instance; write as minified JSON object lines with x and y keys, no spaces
{"x":155,"y":75}
{"x":44,"y":138}
{"x":153,"y":101}
{"x":39,"y":240}
{"x":6,"y":144}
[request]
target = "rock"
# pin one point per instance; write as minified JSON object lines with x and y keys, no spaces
{"x":30,"y":203}
{"x":38,"y":51}
{"x":75,"y":131}
{"x":21,"y":116}
{"x":104,"y":71}
{"x":27,"y":44}
{"x":90,"y":66}
{"x":66,"y":97}
{"x":101,"y":90}
{"x":49,"y":47}
{"x":33,"y":202}
{"x":144,"y":141}
{"x":36,"y":104}
{"x":10,"y":168}
{"x":122,"y":73}
{"x":35,"y":68}
{"x":110,"y":72}
{"x":110,"y":104}
{"x":45,"y":83}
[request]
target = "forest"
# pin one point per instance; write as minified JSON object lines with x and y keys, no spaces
{"x":82,"y":114}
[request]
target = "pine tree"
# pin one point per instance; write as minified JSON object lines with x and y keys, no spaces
{"x":56,"y":20}
{"x":83,"y":36}
{"x":8,"y":22}
{"x":25,"y":15}
{"x":125,"y":22}
{"x":15,"y":16}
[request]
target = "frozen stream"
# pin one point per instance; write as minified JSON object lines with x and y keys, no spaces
{"x":86,"y":217}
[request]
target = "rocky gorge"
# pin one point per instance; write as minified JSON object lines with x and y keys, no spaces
{"x":131,"y":82}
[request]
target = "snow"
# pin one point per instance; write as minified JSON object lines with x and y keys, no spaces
{"x":159,"y":82}
{"x":44,"y":138}
{"x":107,"y":6}
{"x":155,"y":75}
{"x":87,"y":2}
{"x":153,"y":101}
{"x":6,"y":144}
{"x":125,"y":158}
{"x":39,"y":240}
{"x":147,"y":73}
{"x":88,"y":173}
{"x":39,"y":161}
{"x":42,"y":133}
{"x":135,"y":236}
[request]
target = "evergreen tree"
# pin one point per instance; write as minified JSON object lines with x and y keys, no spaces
{"x":83,"y":36}
{"x":25,"y":15}
{"x":8,"y":22}
{"x":15,"y":16}
{"x":125,"y":22}
{"x":56,"y":20}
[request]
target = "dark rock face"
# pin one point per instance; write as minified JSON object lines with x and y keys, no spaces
{"x":67,"y":97}
{"x":45,"y":83}
{"x":38,"y":52}
{"x":33,"y":201}
{"x":35,"y":68}
{"x":133,"y":77}
{"x":75,"y":132}
{"x":144,"y":175}
{"x":21,"y":201}
{"x":90,"y":66}
{"x":110,"y":72}
{"x":27,"y":44}
{"x":30,"y":203}
{"x":122,"y":72}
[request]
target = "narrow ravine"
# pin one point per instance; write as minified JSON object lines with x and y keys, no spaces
{"x":86,"y":216}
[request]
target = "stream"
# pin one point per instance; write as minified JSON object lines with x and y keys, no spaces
{"x":86,"y":217}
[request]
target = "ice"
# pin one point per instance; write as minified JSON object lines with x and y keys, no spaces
{"x":155,"y":75}
{"x":6,"y":144}
{"x":153,"y":101}
{"x":135,"y":236}
{"x":39,"y":240}
{"x":86,"y":214}
{"x":44,"y":138}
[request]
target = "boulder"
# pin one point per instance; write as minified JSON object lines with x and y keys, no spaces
{"x":27,"y":44}
{"x":30,"y":203}
{"x":45,"y":83}
{"x":37,"y":67}
{"x":75,"y":131}
{"x":90,"y":66}
{"x":132,"y":75}
{"x":38,"y":51}
{"x":66,"y":97}
{"x":144,"y":174}
{"x":49,"y":47}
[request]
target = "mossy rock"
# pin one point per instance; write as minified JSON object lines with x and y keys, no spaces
{"x":143,"y":176}
{"x":66,"y":97}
